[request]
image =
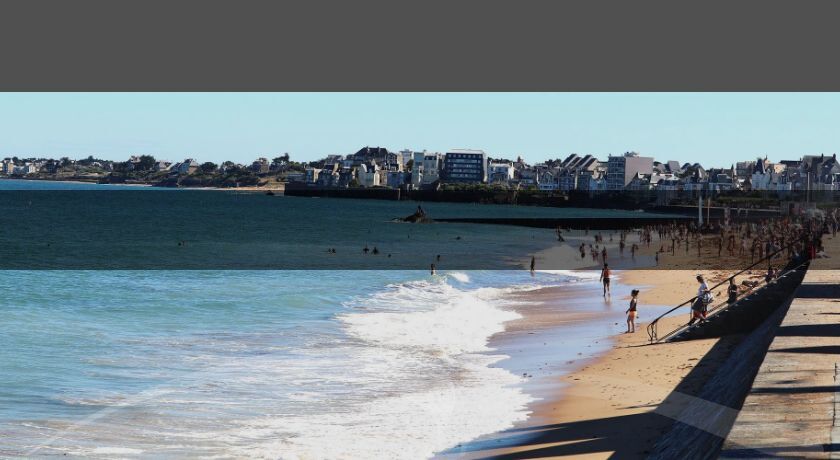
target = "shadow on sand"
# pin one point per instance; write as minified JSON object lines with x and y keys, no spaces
{"x":614,"y":435}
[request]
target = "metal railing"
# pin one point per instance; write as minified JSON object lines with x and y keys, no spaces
{"x":652,"y":328}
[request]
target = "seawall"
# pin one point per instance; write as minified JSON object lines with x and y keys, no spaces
{"x":791,"y":409}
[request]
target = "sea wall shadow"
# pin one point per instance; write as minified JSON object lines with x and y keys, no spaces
{"x":818,"y":291}
{"x":810,"y":330}
{"x":615,"y":435}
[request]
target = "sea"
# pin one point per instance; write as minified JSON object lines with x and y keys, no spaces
{"x":321,"y":355}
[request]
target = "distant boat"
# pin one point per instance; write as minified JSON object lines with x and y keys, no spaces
{"x":270,"y":193}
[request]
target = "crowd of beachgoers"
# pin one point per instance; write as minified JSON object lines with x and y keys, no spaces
{"x":746,"y":243}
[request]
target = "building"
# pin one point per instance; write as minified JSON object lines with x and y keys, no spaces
{"x":188,"y":166}
{"x":465,"y":165}
{"x":500,"y":173}
{"x":432,"y":165}
{"x":577,"y":172}
{"x":640,"y":182}
{"x":406,"y":156}
{"x":567,"y":180}
{"x":396,"y":179}
{"x":764,"y":175}
{"x":426,"y":168}
{"x":576,"y":162}
{"x":310,"y":175}
{"x":387,"y":161}
{"x":162,"y":165}
{"x":744,"y":169}
{"x":24,"y":169}
{"x":417,"y":169}
{"x":7,"y":166}
{"x":548,"y":179}
{"x":368,"y":175}
{"x":622,"y":169}
{"x":328,"y":177}
{"x":527,"y":177}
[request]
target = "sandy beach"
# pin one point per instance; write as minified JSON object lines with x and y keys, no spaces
{"x":615,"y":400}
{"x":607,"y":406}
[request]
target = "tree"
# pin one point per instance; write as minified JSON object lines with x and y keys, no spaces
{"x":410,"y":165}
{"x":208,"y":167}
{"x":145,"y":163}
{"x":281,"y":160}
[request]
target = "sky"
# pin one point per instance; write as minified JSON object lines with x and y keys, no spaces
{"x":715,"y":129}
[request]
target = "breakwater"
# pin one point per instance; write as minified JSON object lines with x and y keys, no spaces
{"x":480,"y":194}
{"x":574,"y":223}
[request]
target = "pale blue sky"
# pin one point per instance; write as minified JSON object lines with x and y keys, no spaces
{"x":712,"y":128}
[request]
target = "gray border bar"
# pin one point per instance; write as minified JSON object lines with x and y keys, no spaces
{"x":385,"y":45}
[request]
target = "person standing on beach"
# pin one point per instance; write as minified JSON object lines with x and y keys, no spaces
{"x":533,"y":264}
{"x":631,"y":312}
{"x":605,"y":278}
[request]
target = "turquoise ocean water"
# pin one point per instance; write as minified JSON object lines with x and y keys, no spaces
{"x":338,"y":363}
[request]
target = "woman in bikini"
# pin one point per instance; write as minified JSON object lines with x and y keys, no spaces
{"x":631,"y":312}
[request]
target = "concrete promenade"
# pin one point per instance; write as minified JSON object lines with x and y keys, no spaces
{"x":793,"y":407}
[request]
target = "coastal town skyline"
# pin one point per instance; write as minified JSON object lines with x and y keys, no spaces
{"x":712,"y":127}
{"x":377,"y":168}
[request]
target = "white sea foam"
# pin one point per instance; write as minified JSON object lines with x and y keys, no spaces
{"x":421,"y":325}
{"x":460,"y":276}
{"x":116,"y":451}
{"x":408,"y":426}
{"x":574,"y":274}
{"x":461,"y":322}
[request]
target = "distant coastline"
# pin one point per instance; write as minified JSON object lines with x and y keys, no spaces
{"x":94,"y":181}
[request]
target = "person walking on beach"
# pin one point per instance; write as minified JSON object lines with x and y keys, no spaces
{"x":698,"y":308}
{"x":533,"y":264}
{"x":631,"y":312}
{"x":605,"y":278}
